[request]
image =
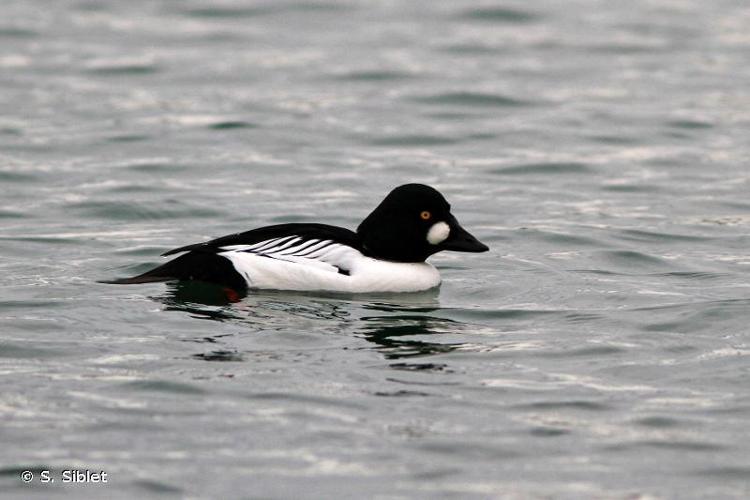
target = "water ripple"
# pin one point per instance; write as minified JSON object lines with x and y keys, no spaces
{"x":232,"y":125}
{"x":545,"y":168}
{"x":500,"y":15}
{"x":382,"y":75}
{"x":128,"y":211}
{"x":412,"y":140}
{"x":471,"y":100}
{"x":601,"y":151}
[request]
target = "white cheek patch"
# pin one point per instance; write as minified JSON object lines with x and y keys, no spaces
{"x":438,"y":233}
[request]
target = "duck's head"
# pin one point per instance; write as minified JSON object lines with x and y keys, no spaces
{"x":413,"y":222}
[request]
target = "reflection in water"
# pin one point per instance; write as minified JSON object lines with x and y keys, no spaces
{"x":390,"y":334}
{"x":421,"y":367}
{"x":394,"y":331}
{"x":201,"y":300}
{"x":220,"y":355}
{"x":201,"y":293}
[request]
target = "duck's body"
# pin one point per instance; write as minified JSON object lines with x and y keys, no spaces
{"x":386,"y":254}
{"x":339,"y":268}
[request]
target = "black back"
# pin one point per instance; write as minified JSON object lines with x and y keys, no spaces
{"x":306,"y":231}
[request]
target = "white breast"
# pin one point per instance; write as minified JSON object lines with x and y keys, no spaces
{"x":282,"y":271}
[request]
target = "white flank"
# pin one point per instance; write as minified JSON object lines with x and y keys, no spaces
{"x":438,"y":233}
{"x":316,"y":267}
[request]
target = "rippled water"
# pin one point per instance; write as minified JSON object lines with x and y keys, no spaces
{"x":600,"y":350}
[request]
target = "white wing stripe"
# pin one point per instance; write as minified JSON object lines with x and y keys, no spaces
{"x":264,"y":243}
{"x":327,"y":253}
{"x":248,"y":248}
{"x":281,"y":245}
{"x":321,"y":254}
{"x":299,"y":248}
{"x":314,"y":248}
{"x":236,"y":248}
{"x":317,"y":254}
{"x":331,"y":257}
{"x":259,"y":247}
{"x":268,"y":245}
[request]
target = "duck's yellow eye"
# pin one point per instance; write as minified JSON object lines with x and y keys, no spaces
{"x":425,"y":215}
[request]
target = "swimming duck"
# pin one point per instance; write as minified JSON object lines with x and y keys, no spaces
{"x":387,"y":253}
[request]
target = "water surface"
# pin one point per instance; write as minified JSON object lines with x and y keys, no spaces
{"x":600,"y":350}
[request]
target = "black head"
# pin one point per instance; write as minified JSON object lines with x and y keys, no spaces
{"x":413,"y":222}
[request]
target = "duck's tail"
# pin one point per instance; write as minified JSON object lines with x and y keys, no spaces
{"x":192,"y":266}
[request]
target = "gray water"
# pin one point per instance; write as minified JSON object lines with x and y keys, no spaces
{"x":599,"y":350}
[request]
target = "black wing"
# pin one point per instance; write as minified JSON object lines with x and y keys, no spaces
{"x":279,"y":232}
{"x":316,"y":244}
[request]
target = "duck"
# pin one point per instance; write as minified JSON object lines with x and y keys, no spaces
{"x":387,"y":252}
